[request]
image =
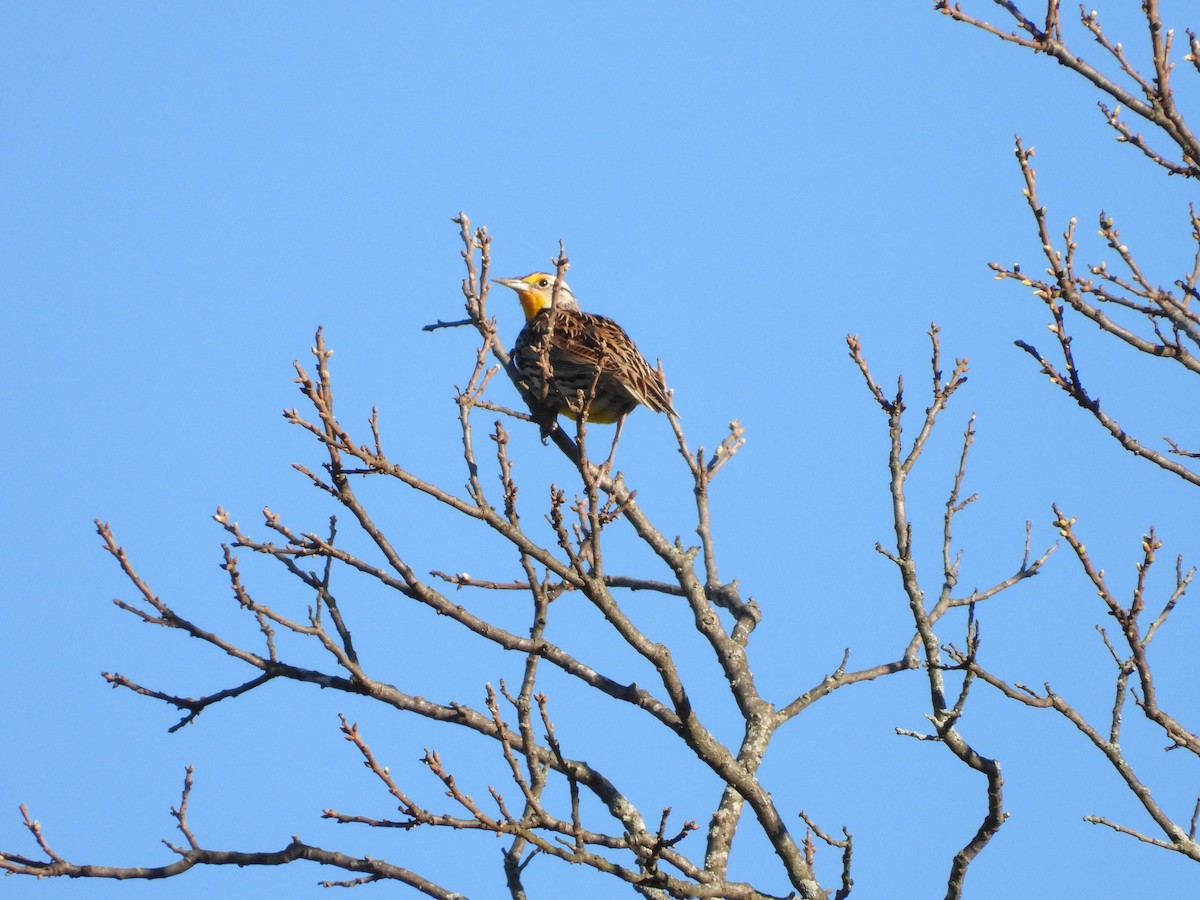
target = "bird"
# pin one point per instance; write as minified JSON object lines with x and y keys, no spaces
{"x":594,"y":366}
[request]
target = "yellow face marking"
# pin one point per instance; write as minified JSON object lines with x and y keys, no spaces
{"x":532,"y":304}
{"x":534,"y":301}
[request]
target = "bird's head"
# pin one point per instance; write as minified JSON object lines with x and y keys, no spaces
{"x":536,"y":292}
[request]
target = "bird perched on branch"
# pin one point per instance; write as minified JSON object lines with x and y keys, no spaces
{"x":592,"y":363}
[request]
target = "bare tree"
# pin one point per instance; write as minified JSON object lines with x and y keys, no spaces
{"x":1130,"y":307}
{"x":553,"y":803}
{"x":639,"y":847}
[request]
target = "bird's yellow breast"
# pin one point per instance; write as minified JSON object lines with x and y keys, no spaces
{"x":595,"y":416}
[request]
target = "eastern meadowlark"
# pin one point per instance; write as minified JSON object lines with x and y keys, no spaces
{"x":593,"y":364}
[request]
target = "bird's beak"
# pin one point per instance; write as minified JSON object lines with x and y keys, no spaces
{"x":515,"y":283}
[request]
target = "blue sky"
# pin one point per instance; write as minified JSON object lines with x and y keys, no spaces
{"x":191,"y":190}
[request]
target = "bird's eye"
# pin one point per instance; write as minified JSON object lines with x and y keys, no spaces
{"x":545,"y":282}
